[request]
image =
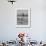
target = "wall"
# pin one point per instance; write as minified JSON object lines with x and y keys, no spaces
{"x":8,"y":29}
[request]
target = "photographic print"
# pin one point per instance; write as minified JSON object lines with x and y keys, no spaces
{"x":23,"y":17}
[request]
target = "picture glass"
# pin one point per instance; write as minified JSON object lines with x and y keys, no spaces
{"x":23,"y":17}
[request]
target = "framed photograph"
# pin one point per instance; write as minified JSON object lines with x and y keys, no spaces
{"x":23,"y":17}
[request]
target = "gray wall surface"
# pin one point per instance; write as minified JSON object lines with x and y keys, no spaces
{"x":8,"y":30}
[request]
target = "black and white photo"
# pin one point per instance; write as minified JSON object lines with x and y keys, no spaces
{"x":23,"y":17}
